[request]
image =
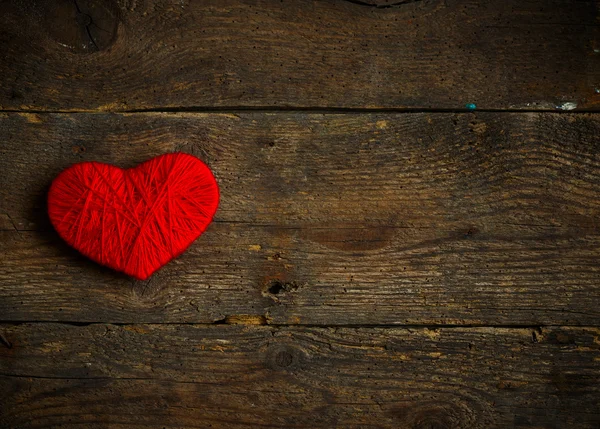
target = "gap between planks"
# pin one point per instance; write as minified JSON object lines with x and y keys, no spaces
{"x":227,"y":322}
{"x":291,"y":109}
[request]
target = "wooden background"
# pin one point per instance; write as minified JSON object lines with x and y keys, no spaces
{"x":383,"y":256}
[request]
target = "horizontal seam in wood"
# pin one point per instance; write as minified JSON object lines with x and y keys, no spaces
{"x":39,"y":377}
{"x":306,"y":325}
{"x":323,"y":110}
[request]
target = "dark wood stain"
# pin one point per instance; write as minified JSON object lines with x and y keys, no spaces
{"x":351,"y":239}
{"x":371,"y":222}
{"x":179,"y":54}
{"x":407,"y":235}
{"x":244,"y":376}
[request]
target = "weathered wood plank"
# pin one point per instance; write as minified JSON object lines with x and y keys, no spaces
{"x":243,"y":376}
{"x":123,"y":55}
{"x":327,"y":219}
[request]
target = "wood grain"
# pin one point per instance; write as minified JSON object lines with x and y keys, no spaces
{"x":157,"y":54}
{"x":337,"y":219}
{"x":477,"y":232}
{"x":242,"y":376}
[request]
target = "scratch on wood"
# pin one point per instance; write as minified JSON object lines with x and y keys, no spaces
{"x":4,"y":341}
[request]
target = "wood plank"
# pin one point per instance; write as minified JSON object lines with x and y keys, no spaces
{"x":500,"y":54}
{"x":256,"y":376}
{"x":337,"y":219}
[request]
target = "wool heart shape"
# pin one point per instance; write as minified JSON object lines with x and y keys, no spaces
{"x":135,"y":220}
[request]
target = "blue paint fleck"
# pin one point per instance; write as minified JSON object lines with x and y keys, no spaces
{"x":471,"y":106}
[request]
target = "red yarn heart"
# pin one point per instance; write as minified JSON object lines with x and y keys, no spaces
{"x":134,"y":220}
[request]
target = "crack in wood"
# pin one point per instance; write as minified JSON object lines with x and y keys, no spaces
{"x":382,"y":4}
{"x":236,"y":318}
{"x":237,"y":109}
{"x":85,"y":20}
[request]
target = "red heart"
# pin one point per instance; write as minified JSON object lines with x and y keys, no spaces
{"x":134,"y":220}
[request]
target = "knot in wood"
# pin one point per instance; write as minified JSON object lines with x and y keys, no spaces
{"x":435,"y":415}
{"x":284,"y":357}
{"x":83,"y":26}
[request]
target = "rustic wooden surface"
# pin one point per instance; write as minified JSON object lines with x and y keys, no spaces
{"x":243,"y":376}
{"x":157,"y":54}
{"x":435,"y":218}
{"x":381,"y":257}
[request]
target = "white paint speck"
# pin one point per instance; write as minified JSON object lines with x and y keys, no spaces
{"x":567,"y":106}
